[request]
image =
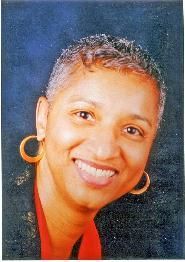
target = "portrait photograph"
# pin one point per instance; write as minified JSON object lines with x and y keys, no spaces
{"x":92,"y":130}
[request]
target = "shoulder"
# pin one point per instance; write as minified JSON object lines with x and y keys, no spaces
{"x":20,"y":231}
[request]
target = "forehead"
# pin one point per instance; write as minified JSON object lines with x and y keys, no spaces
{"x":110,"y":81}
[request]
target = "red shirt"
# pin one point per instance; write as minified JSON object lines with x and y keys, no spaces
{"x":90,"y":247}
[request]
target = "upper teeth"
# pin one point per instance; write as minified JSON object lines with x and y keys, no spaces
{"x":92,"y":170}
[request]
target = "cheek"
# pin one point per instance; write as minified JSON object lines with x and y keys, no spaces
{"x":62,"y":135}
{"x":136,"y":154}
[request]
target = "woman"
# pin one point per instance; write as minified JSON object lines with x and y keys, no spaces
{"x":96,"y":126}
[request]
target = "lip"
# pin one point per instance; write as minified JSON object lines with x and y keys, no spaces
{"x":95,"y":181}
{"x":98,"y":166}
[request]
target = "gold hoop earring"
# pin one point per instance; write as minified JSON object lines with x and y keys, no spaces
{"x":143,"y":189}
{"x":29,"y":159}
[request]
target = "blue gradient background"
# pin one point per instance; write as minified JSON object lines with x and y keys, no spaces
{"x":33,"y":34}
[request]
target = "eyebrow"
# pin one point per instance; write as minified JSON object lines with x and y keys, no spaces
{"x":77,"y":98}
{"x":138,"y":117}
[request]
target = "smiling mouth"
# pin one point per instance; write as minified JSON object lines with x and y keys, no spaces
{"x":98,"y":172}
{"x":95,"y":174}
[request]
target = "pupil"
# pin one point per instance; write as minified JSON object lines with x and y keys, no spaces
{"x":84,"y":115}
{"x":131,"y":130}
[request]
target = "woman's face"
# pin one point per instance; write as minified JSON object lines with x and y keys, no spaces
{"x":98,"y":135}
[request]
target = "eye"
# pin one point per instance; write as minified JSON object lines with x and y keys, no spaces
{"x":85,"y":115}
{"x":132,"y":131}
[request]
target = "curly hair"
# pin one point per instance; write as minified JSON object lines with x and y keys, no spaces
{"x":108,"y":52}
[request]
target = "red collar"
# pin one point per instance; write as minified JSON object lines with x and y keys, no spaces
{"x":90,"y":247}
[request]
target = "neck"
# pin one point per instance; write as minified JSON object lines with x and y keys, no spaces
{"x":66,"y":221}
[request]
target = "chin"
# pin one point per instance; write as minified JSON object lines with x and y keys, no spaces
{"x":93,"y":200}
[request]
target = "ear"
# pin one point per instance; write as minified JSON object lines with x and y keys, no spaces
{"x":41,"y":117}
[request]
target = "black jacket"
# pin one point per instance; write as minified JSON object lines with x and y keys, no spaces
{"x":20,"y":231}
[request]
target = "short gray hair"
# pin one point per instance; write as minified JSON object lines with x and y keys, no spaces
{"x":108,"y":52}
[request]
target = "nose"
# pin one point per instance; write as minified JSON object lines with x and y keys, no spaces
{"x":104,"y":145}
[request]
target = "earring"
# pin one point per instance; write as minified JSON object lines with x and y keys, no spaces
{"x":143,"y":189}
{"x":30,"y":159}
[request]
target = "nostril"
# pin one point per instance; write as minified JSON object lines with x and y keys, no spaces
{"x":103,"y":147}
{"x":107,"y":151}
